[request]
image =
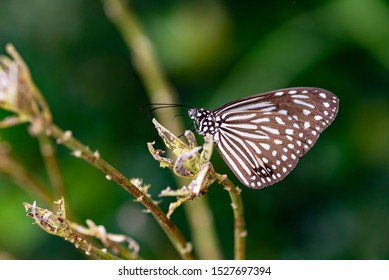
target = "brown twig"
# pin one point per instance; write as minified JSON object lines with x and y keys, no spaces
{"x":81,"y":151}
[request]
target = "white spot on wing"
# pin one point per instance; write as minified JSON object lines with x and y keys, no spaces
{"x":260,"y":120}
{"x":241,"y":126}
{"x":279,"y":93}
{"x":265,"y":146}
{"x":277,"y":141}
{"x":268,"y":109}
{"x":279,"y":120}
{"x":241,"y":117}
{"x":270,"y":129}
{"x":255,"y":147}
{"x":300,"y":102}
{"x":300,"y":96}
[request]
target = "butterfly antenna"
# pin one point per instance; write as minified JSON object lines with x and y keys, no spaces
{"x":189,"y":128}
{"x":162,"y":106}
{"x":171,"y":122}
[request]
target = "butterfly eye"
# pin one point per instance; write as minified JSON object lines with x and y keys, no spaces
{"x":262,"y":137}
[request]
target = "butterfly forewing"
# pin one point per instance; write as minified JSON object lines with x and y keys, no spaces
{"x":262,"y":137}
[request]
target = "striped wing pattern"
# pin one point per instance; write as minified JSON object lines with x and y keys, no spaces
{"x":262,"y":137}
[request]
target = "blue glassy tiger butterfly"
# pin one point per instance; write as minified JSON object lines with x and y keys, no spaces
{"x":262,"y":137}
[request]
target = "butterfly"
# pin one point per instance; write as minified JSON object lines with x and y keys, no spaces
{"x":262,"y":137}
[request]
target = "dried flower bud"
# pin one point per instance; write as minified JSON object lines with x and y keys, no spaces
{"x":8,"y":84}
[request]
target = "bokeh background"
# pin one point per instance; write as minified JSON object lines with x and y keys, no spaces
{"x":334,"y":205}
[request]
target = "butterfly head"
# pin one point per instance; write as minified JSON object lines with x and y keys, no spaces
{"x":204,"y":120}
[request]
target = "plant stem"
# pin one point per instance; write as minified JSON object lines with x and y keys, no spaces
{"x":52,"y":166}
{"x":56,"y":223}
{"x":81,"y":151}
{"x":240,"y":231}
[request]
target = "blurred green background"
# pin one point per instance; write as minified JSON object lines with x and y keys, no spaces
{"x":334,"y":205}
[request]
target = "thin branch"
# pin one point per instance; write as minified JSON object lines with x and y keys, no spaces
{"x":56,"y":223}
{"x":111,"y":241}
{"x":81,"y":151}
{"x":52,"y":166}
{"x":240,"y":232}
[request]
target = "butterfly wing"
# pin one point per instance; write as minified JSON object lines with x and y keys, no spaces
{"x":262,"y":137}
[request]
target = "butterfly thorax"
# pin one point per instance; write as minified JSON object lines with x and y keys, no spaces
{"x":205,"y":121}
